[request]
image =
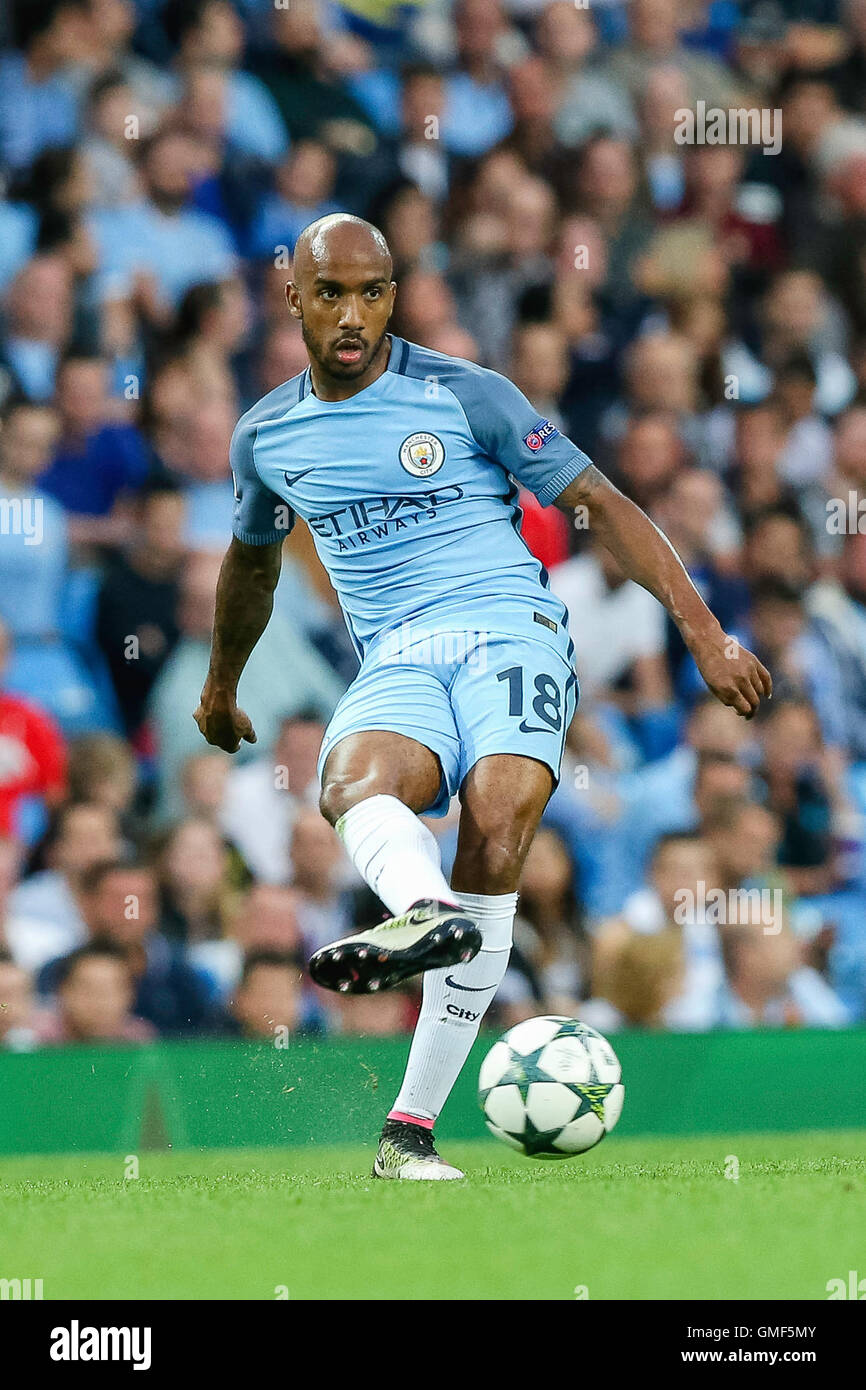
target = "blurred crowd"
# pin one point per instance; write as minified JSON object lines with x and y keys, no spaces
{"x":692,"y":315}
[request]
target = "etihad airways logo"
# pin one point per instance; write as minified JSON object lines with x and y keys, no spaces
{"x":369,"y":519}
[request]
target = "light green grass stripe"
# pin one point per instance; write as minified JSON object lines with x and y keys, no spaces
{"x":635,"y":1218}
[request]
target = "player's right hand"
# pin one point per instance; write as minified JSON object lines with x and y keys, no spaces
{"x":222,"y":722}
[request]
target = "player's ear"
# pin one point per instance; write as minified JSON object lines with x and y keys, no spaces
{"x":293,"y":299}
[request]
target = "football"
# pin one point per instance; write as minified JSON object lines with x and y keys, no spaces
{"x":551,"y":1087}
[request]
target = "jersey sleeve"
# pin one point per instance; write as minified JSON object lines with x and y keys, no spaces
{"x":511,"y":431}
{"x":260,"y":516}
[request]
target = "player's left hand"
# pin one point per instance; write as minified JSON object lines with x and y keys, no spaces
{"x":733,"y":674}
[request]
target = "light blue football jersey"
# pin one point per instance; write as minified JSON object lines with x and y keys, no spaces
{"x":408,"y":489}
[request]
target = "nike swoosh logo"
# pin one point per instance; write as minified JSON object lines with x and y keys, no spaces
{"x":535,"y":728}
{"x":293,"y":478}
{"x":470,"y":989}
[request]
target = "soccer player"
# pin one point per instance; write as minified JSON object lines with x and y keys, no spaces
{"x":401,"y":461}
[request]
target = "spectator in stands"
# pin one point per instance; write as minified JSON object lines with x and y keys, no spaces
{"x":38,"y":101}
{"x":302,"y":70}
{"x":587,"y":99}
{"x":203,"y":783}
{"x":419,"y":158}
{"x":19,"y":1019}
{"x":38,"y":324}
{"x":119,"y":905}
{"x":684,"y":875}
{"x":162,"y":242}
{"x":549,"y":930}
{"x":489,"y":286}
{"x":32,"y":753}
{"x":660,"y":797}
{"x":320,"y":873}
{"x":95,"y":991}
{"x":654,"y":40}
{"x":636,"y":984}
{"x":540,"y":367}
{"x":264,"y":797}
{"x":355,"y":1015}
{"x":136,"y":611}
{"x":267,"y":1003}
{"x":211,"y":333}
{"x":719,"y":781}
{"x":697,"y":517}
{"x":281,"y":356}
{"x":759,"y":438}
{"x":210,"y":33}
{"x":617,"y":625}
{"x":778,"y":545}
{"x":477,"y":111}
{"x":803,"y":786}
{"x":649,"y":456}
{"x":304,"y":191}
{"x":265,"y":919}
{"x":808,"y":453}
{"x":207,"y":490}
{"x":33,"y":554}
{"x":797,"y":317}
{"x":766,"y":985}
{"x":45,"y":914}
{"x":802,"y":660}
{"x":180,"y":681}
{"x":106,"y":146}
{"x":103,"y":772}
{"x":197,"y":898}
{"x":99,"y":461}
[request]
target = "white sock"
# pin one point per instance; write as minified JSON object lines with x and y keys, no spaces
{"x":451,"y":1014}
{"x":395,"y":852}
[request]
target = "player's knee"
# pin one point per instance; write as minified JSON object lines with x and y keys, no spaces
{"x":342,"y":791}
{"x":337,"y":796}
{"x":494,"y":861}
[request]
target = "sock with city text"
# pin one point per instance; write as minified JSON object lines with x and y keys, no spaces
{"x":394,"y":852}
{"x":454,"y":1003}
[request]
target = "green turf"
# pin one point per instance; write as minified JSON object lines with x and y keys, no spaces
{"x":636,"y":1218}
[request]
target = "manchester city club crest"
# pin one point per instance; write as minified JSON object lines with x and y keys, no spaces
{"x":422,"y":454}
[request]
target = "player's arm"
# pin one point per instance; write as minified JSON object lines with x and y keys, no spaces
{"x":733,"y":674}
{"x":244,"y":603}
{"x":244,"y":596}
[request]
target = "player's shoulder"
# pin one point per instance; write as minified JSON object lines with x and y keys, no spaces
{"x":272,"y":406}
{"x":458,"y":373}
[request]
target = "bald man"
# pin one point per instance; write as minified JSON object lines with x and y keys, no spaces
{"x":401,"y":462}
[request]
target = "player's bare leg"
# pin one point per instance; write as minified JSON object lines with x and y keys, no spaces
{"x":373,"y":785}
{"x":502,"y":799}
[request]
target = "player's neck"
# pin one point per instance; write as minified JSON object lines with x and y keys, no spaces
{"x":331,"y":388}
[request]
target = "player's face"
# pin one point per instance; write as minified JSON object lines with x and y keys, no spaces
{"x":344,"y":307}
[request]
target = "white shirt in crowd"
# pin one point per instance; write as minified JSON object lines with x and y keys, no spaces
{"x":610,"y":628}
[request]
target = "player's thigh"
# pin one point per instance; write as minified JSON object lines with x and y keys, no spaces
{"x":393,"y":734}
{"x":376,"y":762}
{"x":502,"y":800}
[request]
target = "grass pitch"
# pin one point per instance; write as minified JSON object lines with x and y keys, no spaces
{"x":634,"y":1219}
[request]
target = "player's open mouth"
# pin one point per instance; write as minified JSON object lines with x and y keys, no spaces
{"x":350,"y":353}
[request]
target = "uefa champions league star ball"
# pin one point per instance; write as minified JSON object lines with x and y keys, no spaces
{"x":551,"y":1087}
